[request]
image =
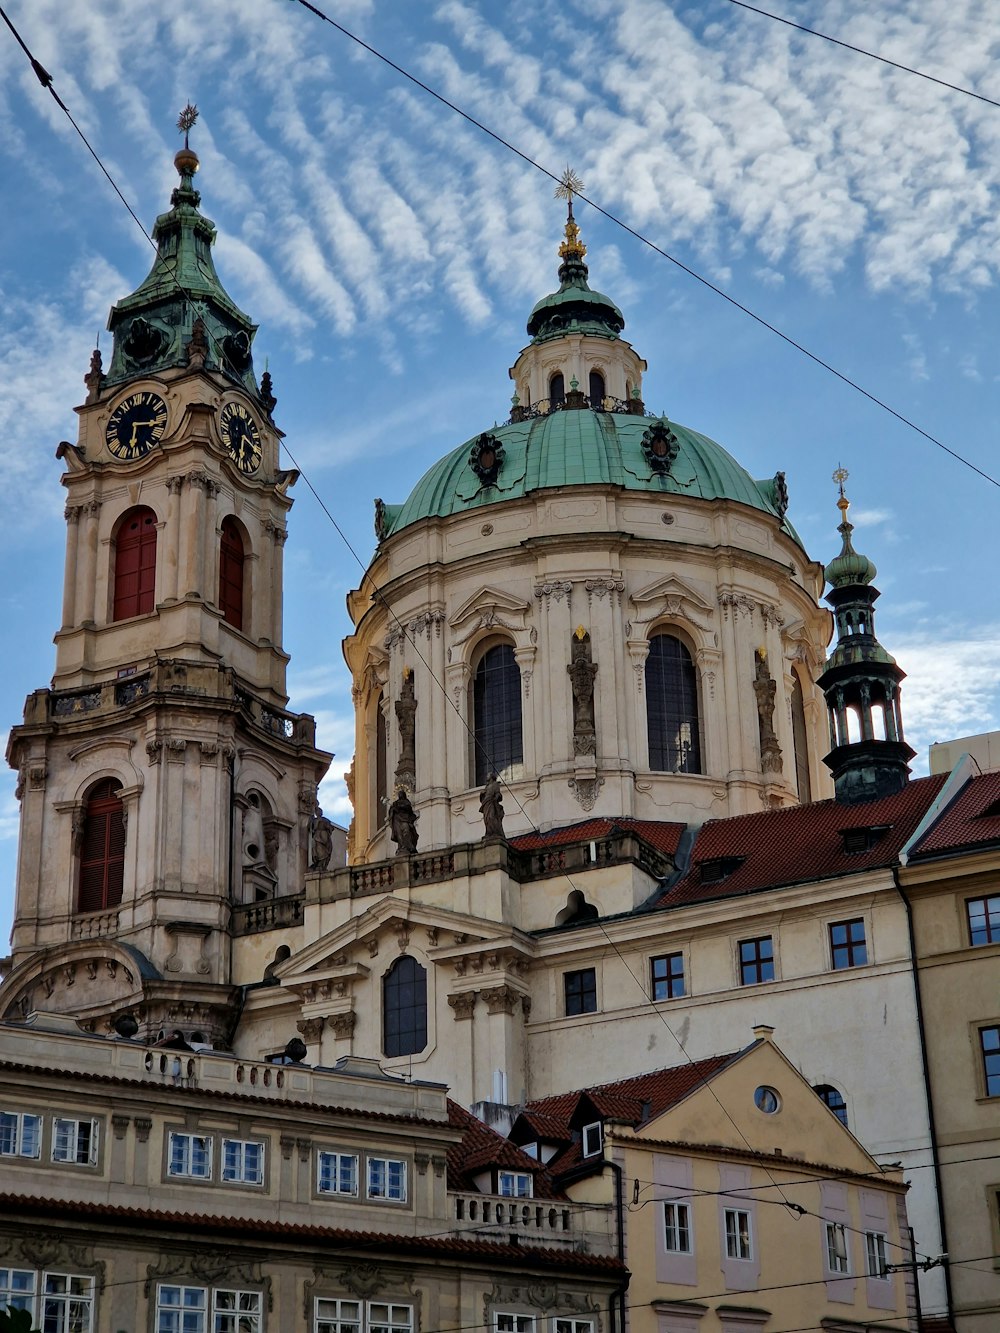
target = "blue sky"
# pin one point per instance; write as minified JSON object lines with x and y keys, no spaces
{"x":391,"y":254}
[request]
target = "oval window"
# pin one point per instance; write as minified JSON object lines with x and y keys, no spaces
{"x":766,"y":1100}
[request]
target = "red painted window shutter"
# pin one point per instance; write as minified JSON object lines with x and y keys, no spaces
{"x":102,"y":852}
{"x":231,"y":561}
{"x":135,"y":565}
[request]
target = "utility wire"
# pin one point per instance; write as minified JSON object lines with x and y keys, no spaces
{"x":644,"y":240}
{"x":861,"y":51}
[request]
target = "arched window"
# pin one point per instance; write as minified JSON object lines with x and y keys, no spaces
{"x":557,"y":389}
{"x":672,"y":707}
{"x":829,"y":1096}
{"x":800,"y":741}
{"x":404,"y":1008}
{"x":232,"y":559}
{"x":135,"y":564}
{"x":496,"y":711}
{"x":102,"y":849}
{"x":596,"y":388}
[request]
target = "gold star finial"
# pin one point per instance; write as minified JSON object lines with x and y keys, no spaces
{"x":569,"y":185}
{"x":840,"y":475}
{"x":186,"y":120}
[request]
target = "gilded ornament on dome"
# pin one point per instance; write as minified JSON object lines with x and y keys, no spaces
{"x":660,"y":446}
{"x":486,"y":458}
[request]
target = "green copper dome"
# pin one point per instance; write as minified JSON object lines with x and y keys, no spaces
{"x":849,"y":567}
{"x":575,"y":307}
{"x":582,"y":448}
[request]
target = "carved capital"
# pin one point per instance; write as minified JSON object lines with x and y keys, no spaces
{"x":311,"y":1029}
{"x":143,"y":1124}
{"x":464,"y":1003}
{"x":343,"y":1024}
{"x":501,"y":999}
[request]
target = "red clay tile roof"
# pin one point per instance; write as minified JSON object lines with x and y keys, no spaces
{"x":481,"y":1147}
{"x":626,"y":1098}
{"x":800,"y":843}
{"x":662,"y":834}
{"x":971,"y":820}
{"x":23,"y":1206}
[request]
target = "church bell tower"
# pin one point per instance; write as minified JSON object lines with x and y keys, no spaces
{"x":163,"y":783}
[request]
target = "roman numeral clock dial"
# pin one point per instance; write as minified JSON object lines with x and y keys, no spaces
{"x":136,"y":425}
{"x":241,"y":437}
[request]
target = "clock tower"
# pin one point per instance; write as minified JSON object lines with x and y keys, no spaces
{"x":163,"y":782}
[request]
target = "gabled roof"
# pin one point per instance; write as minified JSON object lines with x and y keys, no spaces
{"x":971,"y":820}
{"x":633,"y":1100}
{"x":482,"y":1148}
{"x":664,"y":835}
{"x":799,"y":844}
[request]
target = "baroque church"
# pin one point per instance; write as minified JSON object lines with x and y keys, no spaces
{"x":616,"y":802}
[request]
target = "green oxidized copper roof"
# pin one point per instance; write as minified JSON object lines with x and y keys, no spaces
{"x":153,"y":327}
{"x":575,"y":307}
{"x":585,"y":448}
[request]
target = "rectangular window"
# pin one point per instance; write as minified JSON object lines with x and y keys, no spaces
{"x":74,"y":1141}
{"x":67,"y":1303}
{"x":756,"y":961}
{"x":739,"y":1244}
{"x":984,"y":919}
{"x":581,"y":991}
{"x":514,"y":1323}
{"x":20,"y":1134}
{"x":387,"y":1179}
{"x":337,"y":1173}
{"x":990,"y":1041}
{"x":17,"y":1288}
{"x":677,"y":1228}
{"x":386,"y":1318}
{"x":875,"y":1254}
{"x":514,"y":1184}
{"x":847,"y":944}
{"x":332,"y":1316}
{"x":573,"y":1326}
{"x":242,"y":1161}
{"x":235,"y":1311}
{"x":836,"y":1248}
{"x":668,"y":976}
{"x":593,"y":1139}
{"x":189,"y":1155}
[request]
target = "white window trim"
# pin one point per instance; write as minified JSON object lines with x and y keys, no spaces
{"x":19,"y":1118}
{"x":513,"y":1323}
{"x":677,"y":1205}
{"x":514,"y":1177}
{"x":242,"y":1179}
{"x":338,"y":1157}
{"x":737,"y":1213}
{"x":38,"y":1296}
{"x":357,"y":1314}
{"x":73,"y":1159}
{"x":875,"y":1249}
{"x":586,"y":1137}
{"x":561,"y":1325}
{"x":210,"y":1309}
{"x":188,"y":1174}
{"x":386,"y":1163}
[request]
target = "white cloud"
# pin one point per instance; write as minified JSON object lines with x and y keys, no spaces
{"x":953,"y":684}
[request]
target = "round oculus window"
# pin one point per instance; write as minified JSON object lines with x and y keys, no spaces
{"x":766,"y":1100}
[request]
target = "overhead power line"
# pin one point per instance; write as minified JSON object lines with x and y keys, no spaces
{"x":861,"y":51}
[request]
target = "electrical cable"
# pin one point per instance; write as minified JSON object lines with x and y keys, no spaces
{"x":644,"y":240}
{"x":861,"y":51}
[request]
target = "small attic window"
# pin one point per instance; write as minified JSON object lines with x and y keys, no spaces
{"x":593,"y":1139}
{"x":716,"y":869}
{"x":991,"y":811}
{"x":863,"y":838}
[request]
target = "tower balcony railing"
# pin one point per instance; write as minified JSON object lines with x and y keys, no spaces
{"x":268,"y":914}
{"x":575,"y":401}
{"x":586,"y":1226}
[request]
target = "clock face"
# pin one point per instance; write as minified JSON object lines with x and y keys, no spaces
{"x":136,"y":425}
{"x":241,"y":437}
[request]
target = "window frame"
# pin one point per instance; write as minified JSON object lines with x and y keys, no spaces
{"x":990,"y":1059}
{"x":677,"y":1228}
{"x":673,"y":980}
{"x":738,"y":1238}
{"x":991,"y":920}
{"x":242,"y":1144}
{"x":509,"y":1321}
{"x":39,"y":1301}
{"x":579,"y":991}
{"x":335,"y":1153}
{"x":188,"y":1137}
{"x":843,"y":953}
{"x":672,"y":692}
{"x":17,"y":1138}
{"x":758,"y":963}
{"x":402,"y":1185}
{"x":822,"y":1090}
{"x":587,"y":1135}
{"x":560,"y":1324}
{"x":101,"y":849}
{"x":69,"y":1153}
{"x":496,"y":707}
{"x":215,"y":1318}
{"x":839,"y":1265}
{"x":140,"y":601}
{"x":876,"y":1264}
{"x":515,"y":1178}
{"x":410,"y":1021}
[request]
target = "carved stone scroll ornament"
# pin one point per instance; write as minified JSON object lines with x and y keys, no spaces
{"x":406,"y":713}
{"x":764,"y":688}
{"x":586,"y":790}
{"x":581,"y":678}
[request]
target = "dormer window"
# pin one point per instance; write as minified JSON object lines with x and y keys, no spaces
{"x":862,"y":839}
{"x":717,"y":868}
{"x":514,"y":1184}
{"x":593,"y":1139}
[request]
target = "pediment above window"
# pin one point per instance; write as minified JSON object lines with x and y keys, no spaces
{"x":671,"y":596}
